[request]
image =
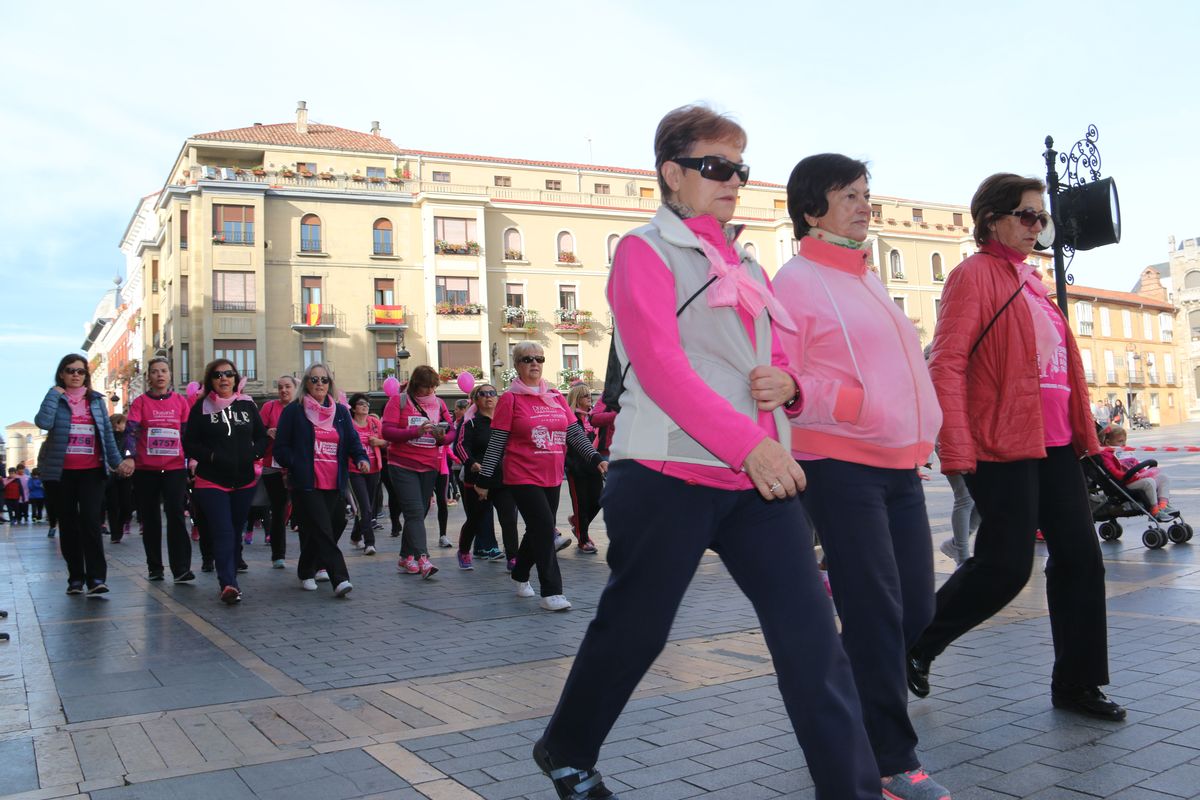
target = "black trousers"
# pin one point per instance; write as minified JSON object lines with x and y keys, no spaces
{"x":80,"y":500}
{"x":364,"y":487}
{"x":37,"y":504}
{"x":1015,"y":499}
{"x":585,"y":488}
{"x":393,"y":498}
{"x":153,"y":488}
{"x":50,"y":489}
{"x":322,"y":517}
{"x":506,"y":515}
{"x":277,"y":493}
{"x":118,"y":504}
{"x":875,"y":534}
{"x":658,"y":529}
{"x":538,"y":506}
{"x":440,"y":488}
{"x":479,"y":531}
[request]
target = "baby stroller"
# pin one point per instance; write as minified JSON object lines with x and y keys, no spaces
{"x":1111,"y":500}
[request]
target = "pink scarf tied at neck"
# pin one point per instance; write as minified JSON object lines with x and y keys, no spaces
{"x":215,"y":404}
{"x":734,"y":288}
{"x":321,"y":416}
{"x":543,"y":390}
{"x":77,"y":401}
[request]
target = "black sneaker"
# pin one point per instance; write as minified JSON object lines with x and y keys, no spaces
{"x":242,"y":567}
{"x":98,"y":588}
{"x":75,"y":587}
{"x":186,"y":577}
{"x":917,"y":668}
{"x":207,"y":566}
{"x":155,"y":575}
{"x":50,"y":533}
{"x":1087,"y":700}
{"x":569,"y":782}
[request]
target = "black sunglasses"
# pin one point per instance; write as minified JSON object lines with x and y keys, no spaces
{"x":1028,"y":217}
{"x":75,"y":370}
{"x":224,"y":373}
{"x":716,"y":168}
{"x":318,"y":379}
{"x":531,"y":359}
{"x":487,"y":393}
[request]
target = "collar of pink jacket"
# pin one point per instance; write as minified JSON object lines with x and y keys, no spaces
{"x":994,"y":248}
{"x":835,"y":256}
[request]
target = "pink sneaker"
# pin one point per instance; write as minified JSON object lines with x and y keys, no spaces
{"x":913,"y":785}
{"x":409,"y":565}
{"x":428,"y":570}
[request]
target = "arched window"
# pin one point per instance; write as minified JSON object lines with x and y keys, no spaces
{"x":1196,"y":381}
{"x":896,"y":265}
{"x":936,"y":262}
{"x":514,"y":248}
{"x":751,"y":250}
{"x":382,"y":234}
{"x":612,"y":246}
{"x":1192,"y":279}
{"x":310,"y":234}
{"x":1194,"y":324}
{"x":566,"y":248}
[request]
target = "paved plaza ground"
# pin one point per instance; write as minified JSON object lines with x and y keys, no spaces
{"x":414,"y":689}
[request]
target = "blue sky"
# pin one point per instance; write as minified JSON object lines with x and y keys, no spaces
{"x":94,"y":106}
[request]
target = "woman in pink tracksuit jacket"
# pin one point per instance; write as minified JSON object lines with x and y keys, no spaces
{"x":868,"y":419}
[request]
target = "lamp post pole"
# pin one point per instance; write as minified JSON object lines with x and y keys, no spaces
{"x":1052,"y":188}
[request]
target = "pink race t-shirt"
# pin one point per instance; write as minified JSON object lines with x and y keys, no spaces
{"x":537,"y":438}
{"x":160,"y":422}
{"x":83,"y":445}
{"x":365,"y":432}
{"x":1055,"y":380}
{"x":418,"y":453}
{"x":270,"y":417}
{"x":325,"y":463}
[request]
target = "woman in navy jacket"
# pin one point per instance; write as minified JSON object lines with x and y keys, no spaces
{"x":314,"y":442}
{"x":79,"y":445}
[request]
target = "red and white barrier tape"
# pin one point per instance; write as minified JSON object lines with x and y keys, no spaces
{"x":1191,"y":448}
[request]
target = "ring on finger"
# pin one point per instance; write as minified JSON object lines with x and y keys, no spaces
{"x":775,"y":487}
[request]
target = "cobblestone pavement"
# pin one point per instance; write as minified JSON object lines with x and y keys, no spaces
{"x":437,"y":689}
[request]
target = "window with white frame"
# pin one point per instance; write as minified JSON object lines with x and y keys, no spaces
{"x":1147,"y":326}
{"x":935,"y":261}
{"x":1166,"y":327}
{"x":565,"y":242}
{"x":1110,"y":366}
{"x":901,"y":303}
{"x":896,"y":265}
{"x":570,"y":356}
{"x":1127,"y":322}
{"x":751,"y":250}
{"x":611,"y":246}
{"x":568,"y":297}
{"x":514,"y":248}
{"x":1085,"y":355}
{"x":1083,"y":315}
{"x":514,"y":295}
{"x":1131,"y":367}
{"x":1151,"y":368}
{"x":1169,"y":367}
{"x":1105,"y":322}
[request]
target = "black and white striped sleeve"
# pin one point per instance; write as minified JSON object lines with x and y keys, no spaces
{"x":577,"y":440}
{"x":489,"y":469}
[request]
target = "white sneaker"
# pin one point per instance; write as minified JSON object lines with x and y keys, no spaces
{"x":322,"y":575}
{"x":524,"y":589}
{"x":308,"y":585}
{"x":561,"y":542}
{"x":444,"y":542}
{"x":342,"y":589}
{"x":950,"y":550}
{"x":370,"y":551}
{"x":555,"y":602}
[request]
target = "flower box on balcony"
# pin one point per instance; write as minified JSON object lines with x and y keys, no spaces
{"x":287,"y":173}
{"x":445,"y":248}
{"x":514,"y":255}
{"x":374,"y":179}
{"x":467,"y":309}
{"x":325,"y":176}
{"x":259,"y":171}
{"x":358,"y":178}
{"x":395,"y":181}
{"x":566,"y":257}
{"x":305,"y":173}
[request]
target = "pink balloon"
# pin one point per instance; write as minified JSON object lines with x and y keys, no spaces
{"x":391,"y":386}
{"x":466,"y":382}
{"x":193,"y":389}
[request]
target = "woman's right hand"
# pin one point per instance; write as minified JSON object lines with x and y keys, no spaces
{"x":482,"y":492}
{"x":271,"y":432}
{"x":774,"y":472}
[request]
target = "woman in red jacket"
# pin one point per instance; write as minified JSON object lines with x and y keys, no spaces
{"x":1016,"y":419}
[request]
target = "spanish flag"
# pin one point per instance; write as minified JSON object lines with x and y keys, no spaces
{"x":312,"y":314}
{"x":389,"y":315}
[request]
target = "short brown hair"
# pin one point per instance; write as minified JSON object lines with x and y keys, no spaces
{"x":423,"y":377}
{"x":685,"y":126}
{"x":998,"y":194}
{"x":210,"y":378}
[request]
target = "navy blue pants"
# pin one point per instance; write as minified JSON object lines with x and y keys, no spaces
{"x":875,"y":533}
{"x":658,"y":528}
{"x":224,"y":519}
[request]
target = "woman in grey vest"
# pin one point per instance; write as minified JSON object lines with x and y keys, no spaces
{"x":700,"y":460}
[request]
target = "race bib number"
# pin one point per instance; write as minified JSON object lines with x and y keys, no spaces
{"x":421,"y":441}
{"x":81,"y":441}
{"x":163,"y":442}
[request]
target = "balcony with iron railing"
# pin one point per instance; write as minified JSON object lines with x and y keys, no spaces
{"x":387,"y":318}
{"x":316,"y":317}
{"x":1137,"y":376}
{"x":341,"y":182}
{"x":1089,"y":376}
{"x":375,"y":380}
{"x":234,"y":305}
{"x":1111,"y":376}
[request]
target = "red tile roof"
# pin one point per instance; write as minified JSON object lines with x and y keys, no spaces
{"x":319,"y":137}
{"x":1128,"y":298}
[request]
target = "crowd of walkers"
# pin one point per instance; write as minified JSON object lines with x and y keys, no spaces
{"x":740,"y":414}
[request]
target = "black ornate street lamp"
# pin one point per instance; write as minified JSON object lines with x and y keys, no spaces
{"x":1085,"y":208}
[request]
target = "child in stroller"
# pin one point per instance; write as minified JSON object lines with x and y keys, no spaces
{"x":1150,"y":481}
{"x":1128,"y":488}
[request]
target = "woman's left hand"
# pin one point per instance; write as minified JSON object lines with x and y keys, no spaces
{"x":771,"y":387}
{"x":364,"y":466}
{"x":603,"y":467}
